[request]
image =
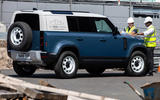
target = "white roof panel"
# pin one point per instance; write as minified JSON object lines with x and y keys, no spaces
{"x":41,"y":12}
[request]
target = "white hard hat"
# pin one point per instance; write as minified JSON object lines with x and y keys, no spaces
{"x":130,"y":20}
{"x":148,"y":19}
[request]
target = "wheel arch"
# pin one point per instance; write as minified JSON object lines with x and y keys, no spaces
{"x":139,"y":48}
{"x":72,"y":48}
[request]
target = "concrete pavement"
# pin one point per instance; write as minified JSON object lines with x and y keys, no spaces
{"x":110,"y":84}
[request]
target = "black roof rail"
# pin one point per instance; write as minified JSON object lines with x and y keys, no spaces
{"x":67,"y":11}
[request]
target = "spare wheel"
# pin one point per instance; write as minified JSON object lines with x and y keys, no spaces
{"x":19,"y":36}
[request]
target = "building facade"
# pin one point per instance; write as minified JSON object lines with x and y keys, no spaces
{"x":118,"y":14}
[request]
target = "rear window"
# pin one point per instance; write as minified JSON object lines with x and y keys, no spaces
{"x":31,"y":19}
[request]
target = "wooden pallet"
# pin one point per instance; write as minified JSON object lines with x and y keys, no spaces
{"x":15,"y":89}
{"x":14,"y":92}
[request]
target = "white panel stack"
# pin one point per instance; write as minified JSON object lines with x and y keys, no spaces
{"x":2,"y":27}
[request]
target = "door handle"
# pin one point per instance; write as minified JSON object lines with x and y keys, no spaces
{"x":79,"y":39}
{"x":102,"y":40}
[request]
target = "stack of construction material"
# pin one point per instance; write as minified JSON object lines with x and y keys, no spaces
{"x":2,"y":27}
{"x":15,"y":89}
{"x":5,"y":61}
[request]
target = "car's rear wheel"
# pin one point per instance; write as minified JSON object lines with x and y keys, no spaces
{"x":19,"y":36}
{"x":95,"y":70}
{"x":67,"y":65}
{"x":137,"y":64}
{"x":24,"y":70}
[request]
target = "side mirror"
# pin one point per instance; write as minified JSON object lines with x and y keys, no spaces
{"x":115,"y":31}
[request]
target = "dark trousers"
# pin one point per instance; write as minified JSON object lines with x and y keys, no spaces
{"x":150,"y":56}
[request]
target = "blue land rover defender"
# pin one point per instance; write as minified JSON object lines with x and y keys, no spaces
{"x":65,"y":41}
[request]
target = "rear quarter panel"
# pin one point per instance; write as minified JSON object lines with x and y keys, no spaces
{"x":57,"y":40}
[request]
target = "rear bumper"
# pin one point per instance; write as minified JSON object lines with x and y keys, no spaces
{"x":32,"y":56}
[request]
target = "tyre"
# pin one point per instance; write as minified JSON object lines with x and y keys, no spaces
{"x":67,"y":65}
{"x":137,"y":64}
{"x":24,"y":70}
{"x":19,"y":36}
{"x":95,"y":70}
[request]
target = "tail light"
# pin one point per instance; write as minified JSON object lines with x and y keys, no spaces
{"x":43,"y":57}
{"x":46,"y":44}
{"x":41,"y":41}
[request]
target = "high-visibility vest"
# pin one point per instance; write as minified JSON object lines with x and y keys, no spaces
{"x":129,"y":31}
{"x":150,"y":40}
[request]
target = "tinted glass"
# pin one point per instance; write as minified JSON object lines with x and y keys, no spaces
{"x":81,"y":24}
{"x":86,"y":24}
{"x":72,"y":24}
{"x":31,"y":19}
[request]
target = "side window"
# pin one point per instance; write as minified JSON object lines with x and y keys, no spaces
{"x":102,"y":26}
{"x":72,"y":24}
{"x":86,"y":24}
{"x":81,"y":24}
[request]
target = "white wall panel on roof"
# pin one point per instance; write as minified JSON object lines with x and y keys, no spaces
{"x":26,"y":5}
{"x":133,"y":0}
{"x":120,"y":11}
{"x":41,"y":6}
{"x":2,"y":27}
{"x":0,"y":9}
{"x":6,"y":18}
{"x":57,"y":6}
{"x":90,"y":8}
{"x":10,"y":6}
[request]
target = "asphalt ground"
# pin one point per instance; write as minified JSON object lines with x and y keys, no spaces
{"x":109,"y":84}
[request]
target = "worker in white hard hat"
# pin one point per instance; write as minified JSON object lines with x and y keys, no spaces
{"x":150,"y":42}
{"x":130,"y":29}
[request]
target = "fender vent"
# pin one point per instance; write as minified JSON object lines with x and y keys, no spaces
{"x":125,"y":43}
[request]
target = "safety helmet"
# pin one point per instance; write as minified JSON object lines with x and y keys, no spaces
{"x":148,"y":19}
{"x":130,"y":20}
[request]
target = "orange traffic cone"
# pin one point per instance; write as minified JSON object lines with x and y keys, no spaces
{"x":159,"y":68}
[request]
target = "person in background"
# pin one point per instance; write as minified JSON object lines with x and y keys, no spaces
{"x":130,"y":29}
{"x":150,"y":42}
